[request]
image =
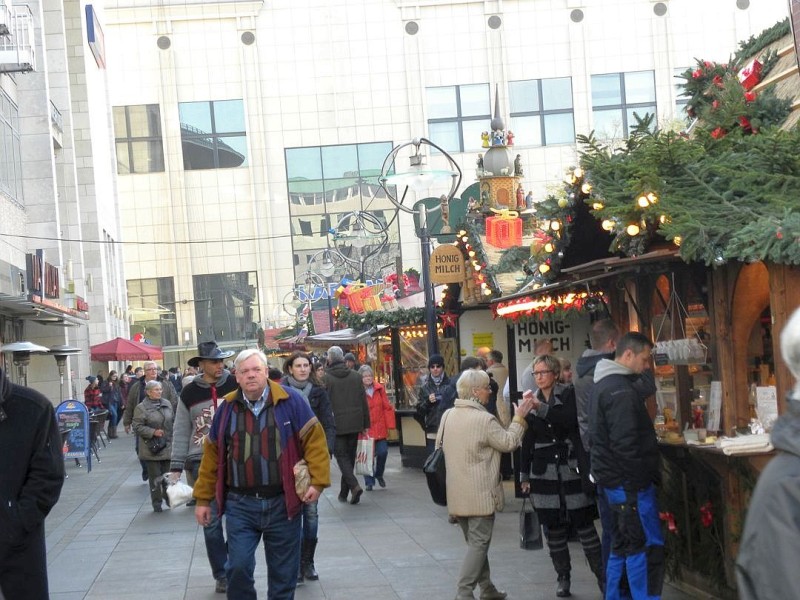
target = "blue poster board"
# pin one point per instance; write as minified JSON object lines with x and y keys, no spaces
{"x":73,"y":418}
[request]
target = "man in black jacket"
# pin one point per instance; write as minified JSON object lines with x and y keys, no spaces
{"x":436,"y":395}
{"x":31,"y":476}
{"x":625,"y":465}
{"x":351,"y":415}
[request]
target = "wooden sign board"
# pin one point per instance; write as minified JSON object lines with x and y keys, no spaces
{"x":447,"y":265}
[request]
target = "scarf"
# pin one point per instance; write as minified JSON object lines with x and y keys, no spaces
{"x":437,"y":380}
{"x":370,"y":390}
{"x":304,"y":387}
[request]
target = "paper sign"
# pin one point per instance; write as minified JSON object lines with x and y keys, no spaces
{"x":767,"y":405}
{"x":482,"y":340}
{"x":714,"y":406}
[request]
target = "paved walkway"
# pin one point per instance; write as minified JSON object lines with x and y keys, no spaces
{"x":104,"y":542}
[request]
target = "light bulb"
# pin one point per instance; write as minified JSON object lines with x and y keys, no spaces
{"x":652,"y":198}
{"x":555,"y":225}
{"x":632,"y":230}
{"x":643,"y":202}
{"x":544,"y":268}
{"x":677,"y":240}
{"x":578,"y":172}
{"x":586,"y":188}
{"x":548,"y":247}
{"x":598,"y":206}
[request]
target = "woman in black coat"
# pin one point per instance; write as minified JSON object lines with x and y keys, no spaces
{"x":552,"y":464}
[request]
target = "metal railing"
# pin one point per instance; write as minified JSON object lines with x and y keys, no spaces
{"x":18,"y":50}
{"x":55,"y":118}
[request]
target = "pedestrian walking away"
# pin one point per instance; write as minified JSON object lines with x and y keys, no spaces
{"x":381,"y":419}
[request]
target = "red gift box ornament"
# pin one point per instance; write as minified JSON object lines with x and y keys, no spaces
{"x":504,"y":229}
{"x":750,"y":75}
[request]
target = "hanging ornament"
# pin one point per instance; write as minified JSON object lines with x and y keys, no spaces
{"x":706,"y":515}
{"x":449,"y":319}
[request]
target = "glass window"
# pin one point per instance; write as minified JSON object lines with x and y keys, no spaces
{"x":681,"y":98}
{"x":226,"y":306}
{"x":615,"y":99}
{"x":455,"y":113}
{"x":213,"y":134}
{"x":542,"y":111}
{"x":140,"y":148}
{"x":350,"y":183}
{"x":152,"y":305}
{"x":10,"y":149}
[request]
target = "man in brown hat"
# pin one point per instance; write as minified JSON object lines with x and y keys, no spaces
{"x":196,"y":408}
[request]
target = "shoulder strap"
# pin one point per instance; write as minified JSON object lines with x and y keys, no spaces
{"x":444,"y":420}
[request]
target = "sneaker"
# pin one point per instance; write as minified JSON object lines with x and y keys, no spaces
{"x":222,"y":586}
{"x":381,"y":482}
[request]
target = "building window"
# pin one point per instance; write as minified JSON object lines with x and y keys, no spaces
{"x":457,"y":115}
{"x":10,"y":155}
{"x":213,"y":134}
{"x":151,"y":303}
{"x":616,"y":97}
{"x":140,"y":148}
{"x":541,"y":111}
{"x":326,"y":183}
{"x":226,"y":306}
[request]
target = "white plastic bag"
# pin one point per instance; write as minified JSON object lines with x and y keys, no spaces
{"x":365,"y":455}
{"x":178,"y":492}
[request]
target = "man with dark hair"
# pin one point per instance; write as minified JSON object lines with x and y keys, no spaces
{"x":499,"y":373}
{"x":351,"y":415}
{"x":31,"y":476}
{"x":198,"y":404}
{"x":625,"y":465}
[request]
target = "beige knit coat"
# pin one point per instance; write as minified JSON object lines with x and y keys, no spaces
{"x":472,"y":440}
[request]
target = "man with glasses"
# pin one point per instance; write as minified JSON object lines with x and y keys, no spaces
{"x":136,"y":394}
{"x":625,"y":465}
{"x":436,"y":395}
{"x":198,"y":403}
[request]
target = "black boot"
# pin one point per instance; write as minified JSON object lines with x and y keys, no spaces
{"x":563,"y":586}
{"x":307,"y":560}
{"x":596,"y":565}
{"x":112,"y":432}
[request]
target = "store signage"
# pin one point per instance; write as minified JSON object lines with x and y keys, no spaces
{"x":95,"y":37}
{"x":42,"y":276}
{"x":73,"y":423}
{"x":447,"y":265}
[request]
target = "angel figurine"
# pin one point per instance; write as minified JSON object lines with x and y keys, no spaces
{"x":485,"y":138}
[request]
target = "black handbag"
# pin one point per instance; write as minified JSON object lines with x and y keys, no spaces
{"x":530,"y":532}
{"x":436,"y":473}
{"x":156,"y":444}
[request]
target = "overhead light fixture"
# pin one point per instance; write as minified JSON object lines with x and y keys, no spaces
{"x":419,"y":176}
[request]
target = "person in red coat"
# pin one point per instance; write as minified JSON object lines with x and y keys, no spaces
{"x":92,"y":396}
{"x":382,"y":419}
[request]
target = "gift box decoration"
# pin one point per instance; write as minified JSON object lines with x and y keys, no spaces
{"x":372,"y":303}
{"x":750,"y":75}
{"x":504,"y":230}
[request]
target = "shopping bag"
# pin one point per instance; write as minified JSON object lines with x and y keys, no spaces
{"x":436,"y":474}
{"x":178,"y":492}
{"x":530,"y":532}
{"x":365,"y":455}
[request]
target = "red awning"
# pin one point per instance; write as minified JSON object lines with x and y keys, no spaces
{"x":122,"y":349}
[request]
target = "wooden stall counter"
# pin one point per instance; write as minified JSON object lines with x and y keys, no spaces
{"x":703,"y":500}
{"x":412,"y":439}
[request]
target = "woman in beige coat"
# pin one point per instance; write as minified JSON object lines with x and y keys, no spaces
{"x":473,"y":440}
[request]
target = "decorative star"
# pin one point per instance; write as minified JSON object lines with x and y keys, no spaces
{"x":449,"y":319}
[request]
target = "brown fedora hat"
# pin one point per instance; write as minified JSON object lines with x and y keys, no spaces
{"x":208,"y":351}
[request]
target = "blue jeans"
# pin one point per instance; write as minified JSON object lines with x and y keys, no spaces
{"x":216,"y":549}
{"x":607,"y":521}
{"x":310,"y":520}
{"x":248,"y":520}
{"x":381,"y":452}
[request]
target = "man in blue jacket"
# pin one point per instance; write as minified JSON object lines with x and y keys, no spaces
{"x":31,"y":476}
{"x":625,"y":465}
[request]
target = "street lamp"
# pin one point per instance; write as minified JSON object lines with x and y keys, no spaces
{"x":21,"y":357}
{"x":420,"y":177}
{"x":60,"y":353}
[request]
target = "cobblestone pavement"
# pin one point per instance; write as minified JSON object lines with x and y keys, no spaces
{"x":105,"y":542}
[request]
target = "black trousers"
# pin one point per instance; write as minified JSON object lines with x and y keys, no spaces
{"x":344,"y":449}
{"x":23,"y":567}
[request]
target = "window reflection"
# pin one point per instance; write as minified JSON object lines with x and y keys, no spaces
{"x":140,"y":148}
{"x":542,"y":111}
{"x":615,"y":99}
{"x":226,"y":306}
{"x":213,"y":134}
{"x":152,"y":304}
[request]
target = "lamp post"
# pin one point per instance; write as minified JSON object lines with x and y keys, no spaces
{"x":21,"y":357}
{"x":60,"y":353}
{"x":420,"y":177}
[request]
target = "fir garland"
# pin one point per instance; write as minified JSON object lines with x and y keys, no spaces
{"x":391,"y":318}
{"x":757,"y":43}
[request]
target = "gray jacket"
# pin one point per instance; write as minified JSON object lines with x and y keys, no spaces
{"x":147,"y":417}
{"x":136,"y":394}
{"x":765,"y":566}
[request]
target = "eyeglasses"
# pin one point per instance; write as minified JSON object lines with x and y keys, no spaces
{"x":437,"y":366}
{"x":541,"y":373}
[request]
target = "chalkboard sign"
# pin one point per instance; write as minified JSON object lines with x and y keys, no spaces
{"x":73,"y":420}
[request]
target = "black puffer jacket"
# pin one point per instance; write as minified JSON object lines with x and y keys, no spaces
{"x":31,"y":463}
{"x":623,"y":441}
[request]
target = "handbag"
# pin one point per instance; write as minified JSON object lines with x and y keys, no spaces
{"x":365,"y":455}
{"x":530,"y":532}
{"x":156,"y":444}
{"x":436,"y":472}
